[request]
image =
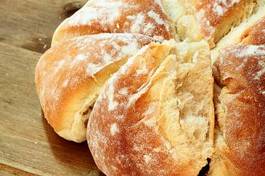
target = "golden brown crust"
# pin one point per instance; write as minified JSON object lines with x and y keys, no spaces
{"x":110,"y":139}
{"x":241,"y":113}
{"x":218,"y":17}
{"x":207,"y":19}
{"x":138,"y":126}
{"x":256,"y":34}
{"x":112,"y":16}
{"x":250,"y":31}
{"x":70,"y":75}
{"x":129,"y":130}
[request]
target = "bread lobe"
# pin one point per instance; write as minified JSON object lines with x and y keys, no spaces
{"x":196,"y":20}
{"x":117,"y":16}
{"x":151,"y":126}
{"x":240,"y":112}
{"x":70,"y":75}
{"x":250,"y":30}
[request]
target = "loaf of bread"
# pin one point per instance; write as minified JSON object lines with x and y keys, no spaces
{"x":161,"y":87}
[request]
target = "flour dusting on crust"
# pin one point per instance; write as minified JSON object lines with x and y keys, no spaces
{"x":74,"y":64}
{"x":117,"y":16}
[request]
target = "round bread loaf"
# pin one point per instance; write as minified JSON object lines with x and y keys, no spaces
{"x":156,"y":110}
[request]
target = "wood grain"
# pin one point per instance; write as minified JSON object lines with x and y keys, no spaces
{"x":10,"y":171}
{"x":26,"y":141}
{"x":30,"y":23}
{"x":28,"y":145}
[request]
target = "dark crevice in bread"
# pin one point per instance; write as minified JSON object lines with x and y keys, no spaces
{"x":204,"y":171}
{"x":88,"y":109}
{"x":86,"y":113}
{"x":250,"y":8}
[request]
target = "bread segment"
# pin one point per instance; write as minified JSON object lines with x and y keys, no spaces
{"x":117,"y":16}
{"x":207,"y":19}
{"x":239,"y":147}
{"x":250,"y":30}
{"x":143,"y":123}
{"x":69,"y":77}
{"x":239,"y":72}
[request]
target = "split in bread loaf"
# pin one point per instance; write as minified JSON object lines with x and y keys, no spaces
{"x":207,"y":19}
{"x":252,"y":26}
{"x":70,"y":75}
{"x":194,"y":20}
{"x":240,"y":101}
{"x":155,"y":116}
{"x":240,"y":134}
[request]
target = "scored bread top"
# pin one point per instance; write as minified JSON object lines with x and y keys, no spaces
{"x":117,"y":16}
{"x":143,"y":123}
{"x":155,"y":116}
{"x":218,"y":17}
{"x":207,"y":19}
{"x":249,"y":31}
{"x":240,"y":71}
{"x":70,"y":75}
{"x":240,"y":111}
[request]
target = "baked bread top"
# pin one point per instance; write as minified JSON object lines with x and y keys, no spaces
{"x":155,"y":116}
{"x":70,"y":75}
{"x":117,"y":16}
{"x":207,"y":19}
{"x":240,"y":111}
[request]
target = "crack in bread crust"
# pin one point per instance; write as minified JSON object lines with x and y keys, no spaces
{"x":151,"y":125}
{"x":70,"y":76}
{"x":240,"y":111}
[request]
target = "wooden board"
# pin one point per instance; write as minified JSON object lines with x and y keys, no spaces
{"x":30,"y":23}
{"x":28,"y":145}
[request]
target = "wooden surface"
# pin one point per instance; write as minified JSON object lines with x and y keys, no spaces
{"x":28,"y":145}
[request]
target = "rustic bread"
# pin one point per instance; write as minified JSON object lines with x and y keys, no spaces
{"x":155,"y":116}
{"x":70,"y":75}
